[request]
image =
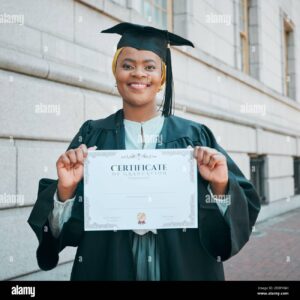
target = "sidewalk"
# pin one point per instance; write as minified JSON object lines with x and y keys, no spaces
{"x":272,"y":253}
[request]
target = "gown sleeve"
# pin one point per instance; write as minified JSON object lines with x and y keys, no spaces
{"x":49,"y":246}
{"x":224,"y":236}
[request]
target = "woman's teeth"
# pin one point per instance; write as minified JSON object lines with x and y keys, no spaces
{"x":138,"y":85}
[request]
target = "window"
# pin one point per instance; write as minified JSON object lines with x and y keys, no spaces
{"x":257,"y":164}
{"x":288,"y":58}
{"x":159,"y":12}
{"x":297,"y":175}
{"x":244,"y":34}
{"x":249,"y":37}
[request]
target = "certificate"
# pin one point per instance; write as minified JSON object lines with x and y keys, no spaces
{"x":140,"y":189}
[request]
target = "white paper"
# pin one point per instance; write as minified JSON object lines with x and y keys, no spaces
{"x":140,"y":189}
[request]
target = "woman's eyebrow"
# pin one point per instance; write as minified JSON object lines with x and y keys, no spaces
{"x":134,"y":61}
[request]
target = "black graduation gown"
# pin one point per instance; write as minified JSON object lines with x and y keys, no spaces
{"x":194,"y":254}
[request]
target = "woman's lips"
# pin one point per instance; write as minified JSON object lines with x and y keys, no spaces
{"x":138,"y":86}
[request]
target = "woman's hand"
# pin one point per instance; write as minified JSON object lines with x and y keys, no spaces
{"x":212,"y":167}
{"x":70,"y":171}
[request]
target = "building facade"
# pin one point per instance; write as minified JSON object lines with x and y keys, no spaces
{"x":242,"y":80}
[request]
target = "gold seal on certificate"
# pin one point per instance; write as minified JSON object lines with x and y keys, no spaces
{"x":140,"y":189}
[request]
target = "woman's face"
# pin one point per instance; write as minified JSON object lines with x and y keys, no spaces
{"x":138,"y":76}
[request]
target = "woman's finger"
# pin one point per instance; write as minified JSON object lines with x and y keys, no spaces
{"x":92,"y":148}
{"x":64,"y":160}
{"x":200,"y":155}
{"x":79,"y":155}
{"x":84,"y":149}
{"x":72,"y":156}
{"x":196,"y":152}
{"x":206,"y":154}
{"x":214,"y":158}
{"x":206,"y":157}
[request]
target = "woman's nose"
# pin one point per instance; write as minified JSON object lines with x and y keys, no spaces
{"x":139,"y":72}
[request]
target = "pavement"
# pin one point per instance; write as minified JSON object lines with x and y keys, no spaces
{"x":272,"y":253}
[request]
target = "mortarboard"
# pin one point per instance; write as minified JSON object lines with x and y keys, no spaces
{"x":155,"y":40}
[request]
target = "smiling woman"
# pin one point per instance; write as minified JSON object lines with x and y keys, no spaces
{"x":148,"y":45}
{"x":141,"y":65}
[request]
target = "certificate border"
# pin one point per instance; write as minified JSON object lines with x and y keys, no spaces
{"x":139,"y":155}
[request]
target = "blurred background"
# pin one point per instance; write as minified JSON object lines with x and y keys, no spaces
{"x":242,"y":80}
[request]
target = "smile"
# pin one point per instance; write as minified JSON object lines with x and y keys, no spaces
{"x":138,"y":86}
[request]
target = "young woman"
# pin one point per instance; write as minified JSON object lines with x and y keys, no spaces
{"x":142,"y":65}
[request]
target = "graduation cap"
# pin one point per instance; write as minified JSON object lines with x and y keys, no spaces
{"x":155,"y":40}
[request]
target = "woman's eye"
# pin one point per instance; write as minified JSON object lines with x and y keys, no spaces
{"x":127,"y":67}
{"x":150,"y":68}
